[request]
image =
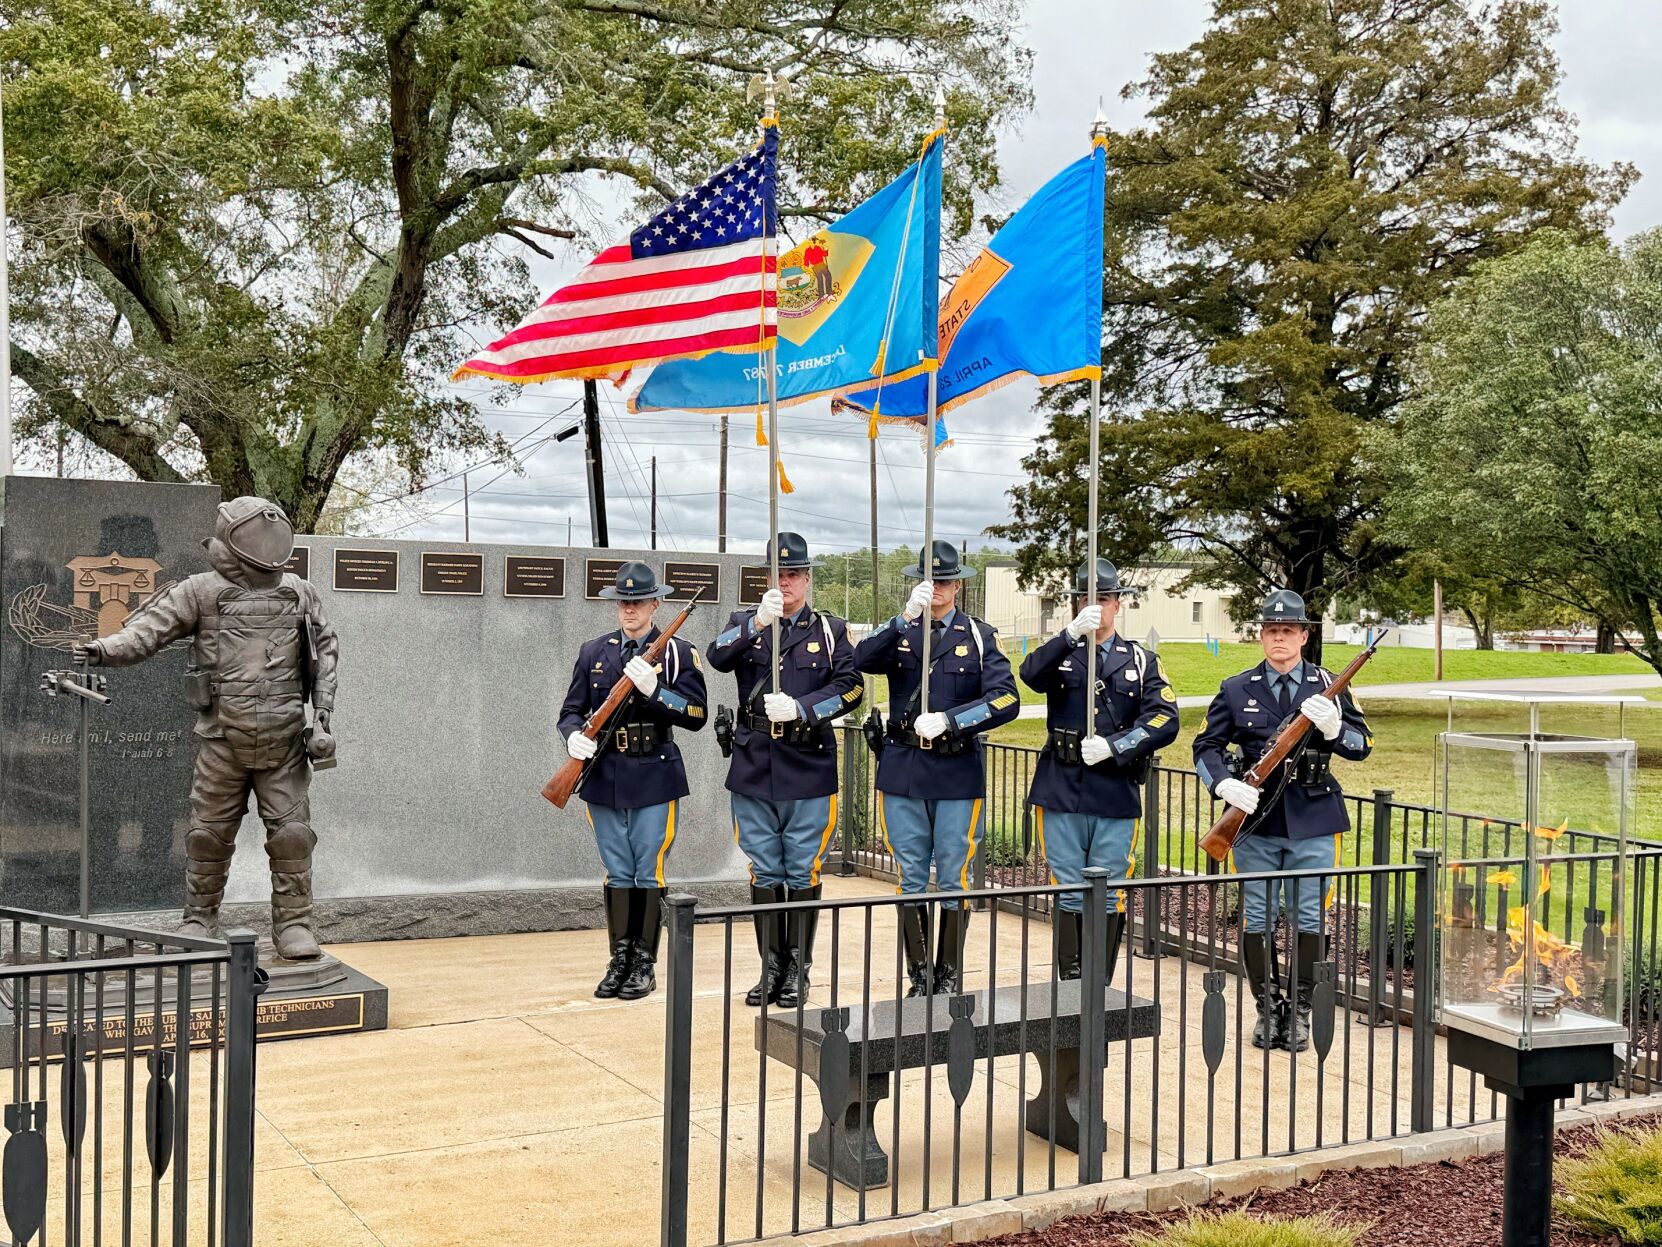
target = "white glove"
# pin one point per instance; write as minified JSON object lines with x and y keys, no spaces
{"x":929,"y":726}
{"x":919,"y":602}
{"x":1086,"y":622}
{"x":1323,"y":713}
{"x":581,"y":747}
{"x":641,"y":673}
{"x":1242,"y":796}
{"x":781,"y":708}
{"x":1094,"y":749}
{"x":772,"y":608}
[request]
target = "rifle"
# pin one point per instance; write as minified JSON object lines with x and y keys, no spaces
{"x":1221,"y":838}
{"x":569,"y":778}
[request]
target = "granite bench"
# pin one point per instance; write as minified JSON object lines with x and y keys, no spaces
{"x":852,"y":1059}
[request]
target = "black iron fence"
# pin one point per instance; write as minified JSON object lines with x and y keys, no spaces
{"x":130,"y":1055}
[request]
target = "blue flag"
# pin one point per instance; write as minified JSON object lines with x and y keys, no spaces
{"x":858,"y":303}
{"x":1029,"y":305}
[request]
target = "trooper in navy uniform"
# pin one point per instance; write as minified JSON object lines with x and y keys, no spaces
{"x":931,"y":779}
{"x":1295,"y":822}
{"x":637,"y":779}
{"x":783,"y":775}
{"x":1087,"y":794}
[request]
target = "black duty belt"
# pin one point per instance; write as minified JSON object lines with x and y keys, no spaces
{"x":948,"y":745}
{"x":794,"y":732}
{"x":637,"y":740}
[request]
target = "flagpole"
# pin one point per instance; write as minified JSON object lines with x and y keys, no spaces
{"x":926,"y":557}
{"x":1099,"y":131}
{"x":770,"y":114}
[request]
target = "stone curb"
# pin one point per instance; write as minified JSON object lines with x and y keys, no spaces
{"x":1188,"y":1187}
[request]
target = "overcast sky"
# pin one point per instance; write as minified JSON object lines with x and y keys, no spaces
{"x":1084,"y":52}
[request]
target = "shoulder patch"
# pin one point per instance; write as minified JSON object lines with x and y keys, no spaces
{"x":1168,"y":693}
{"x":698,"y":663}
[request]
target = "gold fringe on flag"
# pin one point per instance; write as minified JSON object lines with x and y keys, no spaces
{"x":761,"y":434}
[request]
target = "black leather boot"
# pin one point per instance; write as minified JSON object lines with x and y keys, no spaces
{"x":914,"y":936}
{"x":1069,"y":925}
{"x":1257,"y":957}
{"x":642,"y":980}
{"x":1115,"y":932}
{"x":1311,"y":949}
{"x":770,"y":943}
{"x":616,"y":901}
{"x":802,"y":927}
{"x":949,"y":950}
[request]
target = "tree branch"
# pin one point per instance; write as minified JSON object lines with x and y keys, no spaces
{"x":73,"y":412}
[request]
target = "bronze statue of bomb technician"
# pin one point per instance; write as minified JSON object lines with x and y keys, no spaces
{"x":261,"y":650}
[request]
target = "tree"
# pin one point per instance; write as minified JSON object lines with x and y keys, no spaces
{"x":1313,"y":175}
{"x":252,"y":230}
{"x":1532,"y":443}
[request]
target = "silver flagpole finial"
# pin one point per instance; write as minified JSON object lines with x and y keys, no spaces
{"x":1099,"y":127}
{"x":940,"y":107}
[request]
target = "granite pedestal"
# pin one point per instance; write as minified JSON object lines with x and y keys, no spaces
{"x":852,"y":1059}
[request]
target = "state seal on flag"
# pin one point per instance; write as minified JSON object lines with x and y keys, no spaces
{"x":813,"y":277}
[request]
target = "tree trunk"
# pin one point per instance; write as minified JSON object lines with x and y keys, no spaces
{"x":1482,"y":624}
{"x":1605,"y":643}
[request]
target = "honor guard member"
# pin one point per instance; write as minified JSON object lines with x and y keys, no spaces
{"x":637,"y":779}
{"x":1295,"y":822}
{"x":783,"y":776}
{"x":1087,"y":787}
{"x":930,"y":777}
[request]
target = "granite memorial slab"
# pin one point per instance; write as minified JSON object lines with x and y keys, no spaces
{"x":76,"y":559}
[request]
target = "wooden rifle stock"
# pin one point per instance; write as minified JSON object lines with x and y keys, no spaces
{"x":570,"y":776}
{"x":1221,"y":838}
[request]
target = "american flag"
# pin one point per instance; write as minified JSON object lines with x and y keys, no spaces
{"x":698,"y":277}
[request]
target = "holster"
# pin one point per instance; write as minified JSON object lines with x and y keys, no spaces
{"x":724,"y":731}
{"x":637,"y":740}
{"x":199,"y":689}
{"x":872,"y":730}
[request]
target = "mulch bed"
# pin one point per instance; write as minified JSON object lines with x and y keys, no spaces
{"x":1442,"y":1204}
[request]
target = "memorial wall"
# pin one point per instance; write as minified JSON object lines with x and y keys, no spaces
{"x":453,"y":662}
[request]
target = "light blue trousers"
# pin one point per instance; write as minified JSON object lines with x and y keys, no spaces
{"x":784,"y":840}
{"x":1073,"y":842}
{"x":634,"y":844}
{"x":918,"y":832}
{"x":1263,"y":901}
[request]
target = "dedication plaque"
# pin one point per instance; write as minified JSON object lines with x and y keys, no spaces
{"x":300,"y":562}
{"x":753,"y":582}
{"x":452,"y":572}
{"x":366,"y":571}
{"x":534,"y":576}
{"x":690,"y":580}
{"x":599,"y":574}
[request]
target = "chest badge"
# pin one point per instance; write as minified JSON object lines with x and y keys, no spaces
{"x":813,"y":647}
{"x":1130,"y":673}
{"x":962,"y":651}
{"x":1252,"y":703}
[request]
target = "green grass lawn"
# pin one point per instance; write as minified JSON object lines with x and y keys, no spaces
{"x":1195,"y":672}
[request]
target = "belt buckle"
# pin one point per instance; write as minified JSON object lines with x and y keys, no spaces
{"x":777,"y":730}
{"x":622,"y":740}
{"x":924,"y":742}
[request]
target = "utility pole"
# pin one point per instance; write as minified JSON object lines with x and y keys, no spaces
{"x":568,"y":532}
{"x":721,"y":496}
{"x":1437,"y":625}
{"x":654,"y":502}
{"x":467,"y":520}
{"x":596,"y":466}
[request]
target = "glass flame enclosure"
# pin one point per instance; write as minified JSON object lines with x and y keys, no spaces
{"x":1532,"y":887}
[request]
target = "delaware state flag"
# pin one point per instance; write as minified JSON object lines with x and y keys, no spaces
{"x":858,"y":303}
{"x":1030,"y":304}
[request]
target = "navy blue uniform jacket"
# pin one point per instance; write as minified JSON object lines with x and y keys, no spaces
{"x":971,"y":682}
{"x":1136,"y":714}
{"x":1245,"y":713}
{"x":816,"y":667}
{"x":615,"y":780}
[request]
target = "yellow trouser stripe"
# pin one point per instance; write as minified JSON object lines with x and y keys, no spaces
{"x":1039,"y":826}
{"x":883,"y":830}
{"x":1130,"y":867}
{"x":824,"y":843}
{"x":969,"y":854}
{"x":669,"y":839}
{"x":605,"y":875}
{"x":1333,"y":887}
